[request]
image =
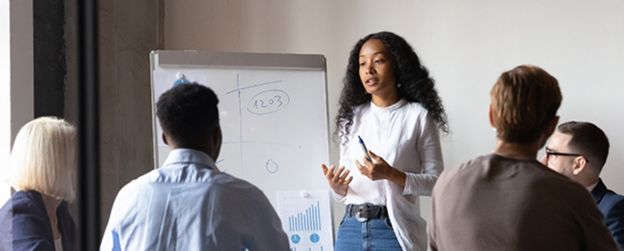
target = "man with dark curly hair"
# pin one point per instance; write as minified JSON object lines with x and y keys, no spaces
{"x":188,"y":204}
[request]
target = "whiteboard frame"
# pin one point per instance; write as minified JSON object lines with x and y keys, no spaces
{"x":208,"y":59}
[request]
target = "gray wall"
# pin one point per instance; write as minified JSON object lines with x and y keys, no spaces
{"x":128,"y":31}
{"x":465,"y":45}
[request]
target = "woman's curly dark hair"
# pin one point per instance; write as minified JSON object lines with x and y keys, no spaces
{"x":415,"y":83}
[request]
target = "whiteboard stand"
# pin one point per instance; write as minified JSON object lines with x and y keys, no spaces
{"x":273,"y":113}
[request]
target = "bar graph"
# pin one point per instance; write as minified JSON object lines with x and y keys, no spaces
{"x":309,"y":220}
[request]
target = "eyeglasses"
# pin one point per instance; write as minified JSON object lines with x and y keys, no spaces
{"x":550,"y":152}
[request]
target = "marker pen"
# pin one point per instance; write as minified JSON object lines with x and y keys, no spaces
{"x":368,"y":157}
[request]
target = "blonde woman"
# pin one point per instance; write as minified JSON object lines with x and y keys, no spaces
{"x":42,"y":173}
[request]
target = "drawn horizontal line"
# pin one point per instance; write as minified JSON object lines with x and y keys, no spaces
{"x":252,"y":86}
{"x":258,"y":142}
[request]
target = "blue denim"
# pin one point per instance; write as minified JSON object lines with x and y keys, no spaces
{"x":373,"y":234}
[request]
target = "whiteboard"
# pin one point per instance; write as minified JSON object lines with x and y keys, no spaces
{"x":272,"y":109}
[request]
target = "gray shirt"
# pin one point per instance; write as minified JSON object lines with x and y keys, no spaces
{"x":498,"y":203}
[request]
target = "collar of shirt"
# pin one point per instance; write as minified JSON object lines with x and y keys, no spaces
{"x":183,"y":166}
{"x":392,"y":107}
{"x":591,"y":187}
{"x":189,"y":156}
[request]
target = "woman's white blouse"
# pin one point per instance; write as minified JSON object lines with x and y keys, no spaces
{"x":407,"y":138}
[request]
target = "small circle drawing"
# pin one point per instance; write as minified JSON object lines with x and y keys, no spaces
{"x":315,"y":238}
{"x":271,"y":166}
{"x":295,"y":238}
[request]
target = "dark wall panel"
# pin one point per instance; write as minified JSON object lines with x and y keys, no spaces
{"x":49,"y":57}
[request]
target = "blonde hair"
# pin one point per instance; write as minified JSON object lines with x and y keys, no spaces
{"x":524,"y":100}
{"x":43,"y":158}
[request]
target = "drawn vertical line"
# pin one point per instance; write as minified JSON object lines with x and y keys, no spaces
{"x":240,"y":121}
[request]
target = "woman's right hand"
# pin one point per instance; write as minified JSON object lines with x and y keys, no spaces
{"x":338,"y":179}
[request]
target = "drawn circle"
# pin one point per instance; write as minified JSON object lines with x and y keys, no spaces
{"x":268,"y":101}
{"x":271,"y":166}
{"x":315,"y":238}
{"x":295,"y":238}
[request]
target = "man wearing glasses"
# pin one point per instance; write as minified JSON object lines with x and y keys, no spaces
{"x":579,"y":150}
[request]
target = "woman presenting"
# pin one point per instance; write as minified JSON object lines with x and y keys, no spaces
{"x":390,"y":107}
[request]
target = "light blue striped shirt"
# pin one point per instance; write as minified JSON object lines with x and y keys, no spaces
{"x":188,"y":204}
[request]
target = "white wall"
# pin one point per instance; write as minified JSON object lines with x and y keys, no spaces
{"x":16,"y":75}
{"x":5,"y":61}
{"x":465,"y":45}
{"x":22,"y":67}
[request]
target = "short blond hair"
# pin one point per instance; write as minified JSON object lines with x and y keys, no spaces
{"x":43,"y":158}
{"x":524,"y":100}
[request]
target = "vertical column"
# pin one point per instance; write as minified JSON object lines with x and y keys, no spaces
{"x":49,"y":58}
{"x":127,"y":32}
{"x":16,"y":74}
{"x":5,"y":91}
{"x":21,"y":65}
{"x":88,"y":126}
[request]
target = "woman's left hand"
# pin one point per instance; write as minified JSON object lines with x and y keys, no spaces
{"x":377,"y":168}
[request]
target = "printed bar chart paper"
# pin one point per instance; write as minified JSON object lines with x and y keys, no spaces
{"x":306,"y":219}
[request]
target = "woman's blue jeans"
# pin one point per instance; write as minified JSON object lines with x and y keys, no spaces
{"x":373,"y":234}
